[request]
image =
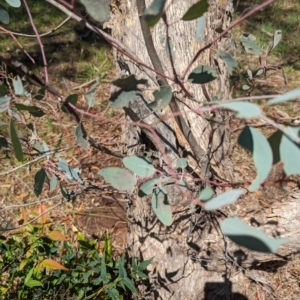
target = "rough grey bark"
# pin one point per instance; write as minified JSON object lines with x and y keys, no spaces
{"x":192,"y":260}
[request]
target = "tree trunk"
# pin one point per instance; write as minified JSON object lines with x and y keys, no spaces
{"x":191,"y":258}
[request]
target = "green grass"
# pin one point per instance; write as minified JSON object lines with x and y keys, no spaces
{"x":282,"y":15}
{"x":67,"y":54}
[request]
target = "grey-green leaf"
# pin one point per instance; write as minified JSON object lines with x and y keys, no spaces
{"x":244,"y":109}
{"x":98,"y":10}
{"x":15,"y":142}
{"x":253,"y":140}
{"x":249,"y":45}
{"x":148,"y":186}
{"x":154,"y":12}
{"x":4,"y":103}
{"x":120,"y":179}
{"x":70,"y":99}
{"x":4,"y":16}
{"x":259,"y":72}
{"x":245,"y":87}
{"x":291,"y":95}
{"x":170,"y":48}
{"x":229,"y":60}
{"x":39,"y":180}
{"x":90,"y":95}
{"x":18,"y":86}
{"x":161,"y":206}
{"x":128,"y":88}
{"x":180,"y":186}
{"x":223,"y":199}
{"x":181,"y":163}
{"x":202,"y":74}
{"x":14,"y":3}
{"x":249,"y":237}
{"x":80,"y":140}
{"x":290,"y":153}
{"x":162,"y":98}
{"x":274,"y":141}
{"x":206,"y":194}
{"x":46,"y":149}
{"x":276,"y":39}
{"x":72,"y":173}
{"x":33,"y":110}
{"x":139,"y":165}
{"x":196,"y":10}
{"x":200,"y":29}
{"x":53,"y":183}
{"x":40,"y":94}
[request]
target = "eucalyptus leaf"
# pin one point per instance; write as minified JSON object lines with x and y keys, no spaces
{"x":162,"y":98}
{"x":120,"y":179}
{"x":245,"y":87}
{"x":202,"y":74}
{"x":249,"y":237}
{"x":90,"y":95}
{"x":72,"y":173}
{"x":14,"y":3}
{"x":249,"y":45}
{"x":98,"y":10}
{"x":244,"y":109}
{"x":224,"y":199}
{"x":170,"y":48}
{"x":53,"y":183}
{"x":46,"y":149}
{"x":291,"y":95}
{"x":253,"y":140}
{"x":200,"y":29}
{"x":148,"y":186}
{"x":154,"y":12}
{"x":180,"y":186}
{"x":139,"y":165}
{"x":39,"y":180}
{"x":259,"y":72}
{"x":276,"y":39}
{"x":274,"y":141}
{"x":80,"y":140}
{"x":181,"y":163}
{"x":229,"y":60}
{"x":4,"y":103}
{"x":290,"y":153}
{"x":206,"y":194}
{"x":196,"y":10}
{"x":40,"y":95}
{"x":33,"y":110}
{"x":161,"y":206}
{"x":4,"y":16}
{"x":18,"y":86}
{"x":70,"y":99}
{"x":127,"y":91}
{"x":15,"y":142}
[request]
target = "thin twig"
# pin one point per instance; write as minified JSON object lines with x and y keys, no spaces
{"x":35,"y":160}
{"x":41,"y":35}
{"x":29,"y":204}
{"x":36,"y":218}
{"x":232,"y":25}
{"x":39,"y":40}
{"x":18,"y":43}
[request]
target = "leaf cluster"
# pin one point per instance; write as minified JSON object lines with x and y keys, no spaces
{"x":35,"y":265}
